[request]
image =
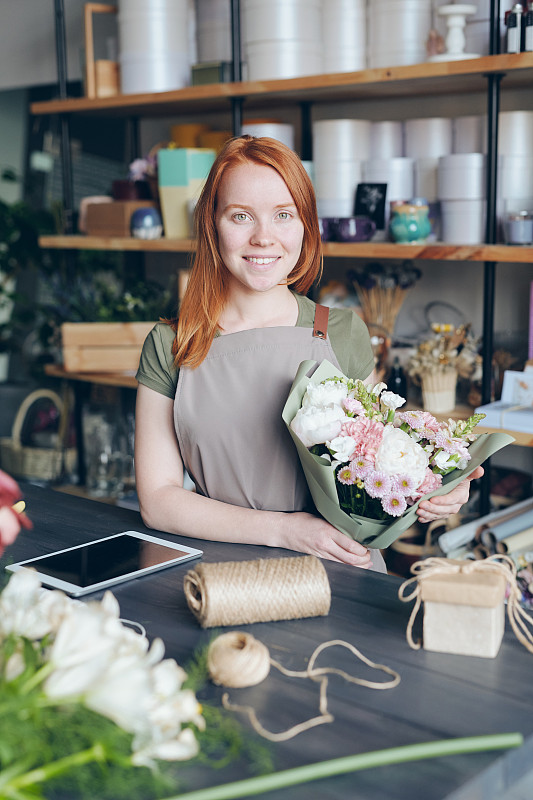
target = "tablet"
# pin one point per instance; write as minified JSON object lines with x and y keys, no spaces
{"x":105,"y":562}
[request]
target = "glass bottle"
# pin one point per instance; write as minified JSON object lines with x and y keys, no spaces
{"x":397,"y":380}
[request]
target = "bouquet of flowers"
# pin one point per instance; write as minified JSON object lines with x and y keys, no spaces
{"x":367,"y":464}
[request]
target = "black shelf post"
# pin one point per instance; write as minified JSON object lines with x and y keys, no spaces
{"x":491,"y":235}
{"x":236,"y":102}
{"x":66,"y":161}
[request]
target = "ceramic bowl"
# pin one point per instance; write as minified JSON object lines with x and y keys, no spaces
{"x":354,"y":229}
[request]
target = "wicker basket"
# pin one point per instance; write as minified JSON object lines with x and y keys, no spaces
{"x":43,"y":463}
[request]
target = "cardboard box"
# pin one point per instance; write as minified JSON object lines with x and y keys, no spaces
{"x":515,"y":409}
{"x":103,"y":346}
{"x":113,"y":219}
{"x":181,"y":175}
{"x":464,"y":613}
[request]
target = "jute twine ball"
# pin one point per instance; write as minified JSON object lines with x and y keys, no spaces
{"x":237,"y":659}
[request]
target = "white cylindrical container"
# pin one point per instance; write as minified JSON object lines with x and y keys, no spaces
{"x":386,"y":139}
{"x":429,"y":137}
{"x":515,"y":133}
{"x":461,"y":176}
{"x":154,"y":45}
{"x":213,"y":41}
{"x":398,"y":30}
{"x":335,"y":206}
{"x":516,"y":177}
{"x":344,"y":35}
{"x":468,"y":134}
{"x":285,"y":59}
{"x":281,"y":20}
{"x":397,"y":173}
{"x":339,"y":179}
{"x":340,"y":139}
{"x":463,"y":221}
{"x":426,"y":170}
{"x":281,"y":131}
{"x":151,"y":73}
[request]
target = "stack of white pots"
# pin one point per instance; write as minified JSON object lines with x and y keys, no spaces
{"x":469,"y":134}
{"x":339,"y":148}
{"x":213,"y":30}
{"x":462,"y":186}
{"x":397,"y":32}
{"x":516,"y":161}
{"x":282,"y":38}
{"x":155,"y":42}
{"x":344,"y":35}
{"x":427,"y":139}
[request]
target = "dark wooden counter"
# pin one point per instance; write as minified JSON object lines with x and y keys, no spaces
{"x":439,"y":697}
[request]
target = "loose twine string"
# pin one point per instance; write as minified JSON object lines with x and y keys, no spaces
{"x":499,"y":564}
{"x":237,"y":659}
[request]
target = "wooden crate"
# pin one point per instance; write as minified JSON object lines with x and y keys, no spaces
{"x":103,"y":346}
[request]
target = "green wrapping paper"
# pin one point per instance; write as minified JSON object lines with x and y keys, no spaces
{"x":321,"y":479}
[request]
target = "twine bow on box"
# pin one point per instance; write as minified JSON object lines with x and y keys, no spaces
{"x":521,"y":622}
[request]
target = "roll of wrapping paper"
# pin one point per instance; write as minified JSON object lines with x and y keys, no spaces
{"x":517,"y":543}
{"x":507,"y":526}
{"x":242,"y":592}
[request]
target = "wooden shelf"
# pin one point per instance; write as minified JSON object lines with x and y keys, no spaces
{"x":426,"y":78}
{"x":117,"y":243}
{"x":125,"y":379}
{"x":388,"y":250}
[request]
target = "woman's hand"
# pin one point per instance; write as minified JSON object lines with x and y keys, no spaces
{"x":445,"y":504}
{"x":313,"y":535}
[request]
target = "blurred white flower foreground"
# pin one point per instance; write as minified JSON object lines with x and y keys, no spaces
{"x":87,"y":655}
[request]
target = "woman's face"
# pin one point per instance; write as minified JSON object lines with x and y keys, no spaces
{"x":259,"y":229}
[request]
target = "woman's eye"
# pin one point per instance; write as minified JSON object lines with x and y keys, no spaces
{"x":284,"y":215}
{"x":240,"y":217}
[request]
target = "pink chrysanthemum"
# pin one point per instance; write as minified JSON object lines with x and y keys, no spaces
{"x":346,"y":475}
{"x":405,"y":484}
{"x":377,"y":484}
{"x":361,"y":466}
{"x":353,"y":406}
{"x":367,"y":434}
{"x":419,"y":420}
{"x":451,"y":444}
{"x":394,"y":504}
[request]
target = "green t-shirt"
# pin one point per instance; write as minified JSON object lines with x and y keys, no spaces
{"x":348,"y":334}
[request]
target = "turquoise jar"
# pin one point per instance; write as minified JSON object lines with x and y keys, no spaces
{"x":409,"y":222}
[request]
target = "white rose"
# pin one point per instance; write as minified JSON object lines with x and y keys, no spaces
{"x":317,"y":425}
{"x":331,"y":393}
{"x":391,"y":400}
{"x":443,"y":460}
{"x":398,"y":454}
{"x":342,"y":447}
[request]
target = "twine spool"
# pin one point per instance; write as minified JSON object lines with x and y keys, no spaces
{"x":237,"y":659}
{"x":242,"y":592}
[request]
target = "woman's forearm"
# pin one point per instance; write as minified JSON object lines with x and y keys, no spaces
{"x":183,"y":512}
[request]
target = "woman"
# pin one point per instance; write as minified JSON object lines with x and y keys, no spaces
{"x":213,"y":384}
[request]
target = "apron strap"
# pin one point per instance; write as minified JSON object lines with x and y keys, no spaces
{"x":320,"y":326}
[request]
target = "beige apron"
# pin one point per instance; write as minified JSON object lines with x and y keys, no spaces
{"x":227,"y":415}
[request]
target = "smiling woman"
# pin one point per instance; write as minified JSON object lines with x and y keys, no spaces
{"x":212,"y":384}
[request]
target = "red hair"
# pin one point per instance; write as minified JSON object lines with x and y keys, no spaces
{"x":207,"y":287}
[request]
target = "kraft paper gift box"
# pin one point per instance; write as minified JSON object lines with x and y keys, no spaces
{"x":464,"y":613}
{"x":181,"y":175}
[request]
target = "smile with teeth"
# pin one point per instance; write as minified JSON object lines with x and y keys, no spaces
{"x":261,"y":261}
